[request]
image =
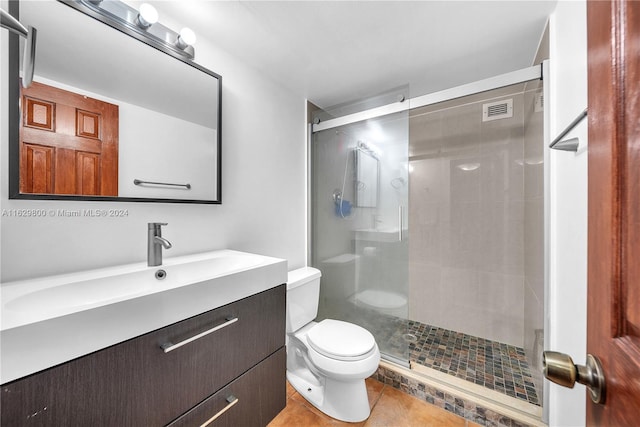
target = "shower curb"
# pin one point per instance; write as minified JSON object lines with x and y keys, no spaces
{"x":451,"y":402}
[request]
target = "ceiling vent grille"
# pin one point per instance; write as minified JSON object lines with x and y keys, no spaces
{"x":497,"y":110}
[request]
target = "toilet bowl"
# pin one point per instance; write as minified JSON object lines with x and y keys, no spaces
{"x":387,"y":302}
{"x":327,"y":361}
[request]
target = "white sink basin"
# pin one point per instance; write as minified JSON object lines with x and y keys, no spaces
{"x":51,"y":320}
{"x":56,"y":300}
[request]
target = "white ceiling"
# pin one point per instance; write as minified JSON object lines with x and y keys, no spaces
{"x":332,"y":52}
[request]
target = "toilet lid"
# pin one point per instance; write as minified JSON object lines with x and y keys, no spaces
{"x":334,"y":338}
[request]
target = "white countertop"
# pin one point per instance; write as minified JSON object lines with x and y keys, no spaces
{"x":51,"y":320}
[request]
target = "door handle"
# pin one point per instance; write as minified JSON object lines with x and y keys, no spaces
{"x":560,"y":369}
{"x":400,"y":222}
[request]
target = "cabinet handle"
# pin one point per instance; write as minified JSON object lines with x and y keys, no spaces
{"x":169,"y":346}
{"x":232,"y":400}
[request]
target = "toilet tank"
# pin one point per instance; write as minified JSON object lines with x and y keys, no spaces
{"x":303,"y":293}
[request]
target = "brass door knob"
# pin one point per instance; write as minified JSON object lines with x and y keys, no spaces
{"x":559,"y":368}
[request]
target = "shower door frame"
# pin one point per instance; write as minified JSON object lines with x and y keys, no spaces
{"x":519,"y":76}
{"x":535,"y":72}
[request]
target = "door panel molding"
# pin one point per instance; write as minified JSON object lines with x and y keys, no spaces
{"x":613,"y":324}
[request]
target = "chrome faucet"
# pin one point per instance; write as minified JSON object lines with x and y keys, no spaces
{"x":155,"y":243}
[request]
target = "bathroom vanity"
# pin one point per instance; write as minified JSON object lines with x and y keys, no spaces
{"x":224,"y":366}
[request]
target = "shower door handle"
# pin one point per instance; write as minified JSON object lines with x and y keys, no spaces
{"x":559,"y":368}
{"x":400,"y":222}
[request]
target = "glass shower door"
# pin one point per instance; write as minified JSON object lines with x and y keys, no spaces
{"x":359,"y":199}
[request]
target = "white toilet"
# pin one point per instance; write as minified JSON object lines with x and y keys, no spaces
{"x":327,"y":362}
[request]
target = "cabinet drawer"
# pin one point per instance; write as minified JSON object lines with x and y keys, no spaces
{"x":136,"y":383}
{"x":253,"y":399}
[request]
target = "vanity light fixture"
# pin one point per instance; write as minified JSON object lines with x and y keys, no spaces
{"x":147,"y":16}
{"x":141,"y":23}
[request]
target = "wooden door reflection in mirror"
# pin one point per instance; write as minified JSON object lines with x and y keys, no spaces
{"x":68,"y":143}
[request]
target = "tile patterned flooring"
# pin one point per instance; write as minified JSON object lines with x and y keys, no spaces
{"x":496,"y":366}
{"x":389,"y":407}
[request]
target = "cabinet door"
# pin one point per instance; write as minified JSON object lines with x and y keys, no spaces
{"x":136,"y":383}
{"x":252,"y":400}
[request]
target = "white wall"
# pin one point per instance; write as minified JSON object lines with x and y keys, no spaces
{"x":169,"y":150}
{"x":568,"y":246}
{"x":263,"y":190}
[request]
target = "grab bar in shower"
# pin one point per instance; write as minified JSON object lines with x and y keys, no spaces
{"x":140,"y":182}
{"x":569,"y":144}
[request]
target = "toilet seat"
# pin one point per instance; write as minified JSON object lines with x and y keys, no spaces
{"x":340,"y":340}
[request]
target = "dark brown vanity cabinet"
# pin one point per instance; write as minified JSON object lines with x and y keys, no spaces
{"x":237,"y":371}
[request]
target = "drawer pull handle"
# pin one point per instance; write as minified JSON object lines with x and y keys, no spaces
{"x":169,"y":346}
{"x":232,"y":400}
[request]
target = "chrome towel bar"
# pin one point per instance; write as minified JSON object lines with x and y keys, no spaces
{"x":29,"y":58}
{"x":140,"y":182}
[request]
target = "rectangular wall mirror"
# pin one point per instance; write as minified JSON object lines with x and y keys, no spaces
{"x":366,"y":178}
{"x":109,"y":117}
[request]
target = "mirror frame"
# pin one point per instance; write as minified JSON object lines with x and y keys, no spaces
{"x":14,"y":114}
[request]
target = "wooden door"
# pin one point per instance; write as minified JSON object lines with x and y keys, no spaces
{"x":68,"y":143}
{"x":613,"y":325}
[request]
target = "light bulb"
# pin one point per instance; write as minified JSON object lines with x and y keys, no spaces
{"x":147,"y":15}
{"x":187,"y":36}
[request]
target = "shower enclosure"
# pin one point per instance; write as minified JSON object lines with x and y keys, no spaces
{"x":359,"y":227}
{"x":427,"y":224}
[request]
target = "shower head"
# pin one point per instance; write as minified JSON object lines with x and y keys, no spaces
{"x":398,"y":183}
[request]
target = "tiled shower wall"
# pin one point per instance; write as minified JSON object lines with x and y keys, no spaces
{"x":467,"y":217}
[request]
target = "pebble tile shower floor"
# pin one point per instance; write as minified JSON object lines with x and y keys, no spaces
{"x":496,"y":366}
